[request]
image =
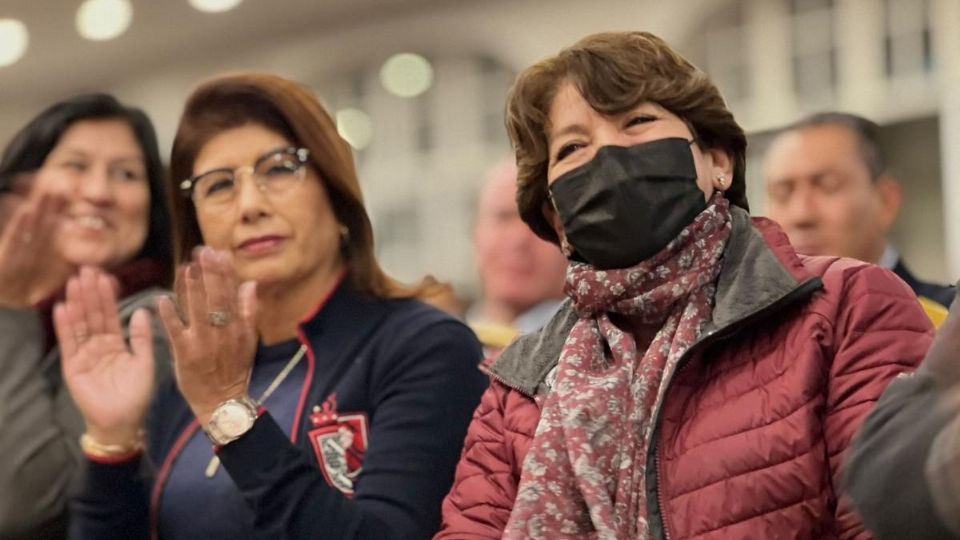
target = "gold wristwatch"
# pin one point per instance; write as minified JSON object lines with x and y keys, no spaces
{"x":231,"y":420}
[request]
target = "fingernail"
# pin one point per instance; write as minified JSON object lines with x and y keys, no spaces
{"x":195,"y":253}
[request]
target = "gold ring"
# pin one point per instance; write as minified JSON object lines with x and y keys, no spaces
{"x":218,"y":318}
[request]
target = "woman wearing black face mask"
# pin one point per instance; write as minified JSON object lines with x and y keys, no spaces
{"x":703,"y":379}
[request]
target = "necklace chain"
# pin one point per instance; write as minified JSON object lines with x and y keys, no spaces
{"x":292,"y":363}
{"x":214,"y":464}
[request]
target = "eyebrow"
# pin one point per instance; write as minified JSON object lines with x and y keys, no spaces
{"x":269,"y":153}
{"x":256,"y":161}
{"x":815,"y":175}
{"x":571,"y":129}
{"x":83,"y":153}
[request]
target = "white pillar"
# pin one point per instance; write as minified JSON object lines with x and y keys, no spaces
{"x":946,"y":19}
{"x":859,"y":31}
{"x":771,"y":63}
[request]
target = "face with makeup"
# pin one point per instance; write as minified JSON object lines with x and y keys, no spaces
{"x":100,"y":167}
{"x":575,"y":133}
{"x":277,"y":236}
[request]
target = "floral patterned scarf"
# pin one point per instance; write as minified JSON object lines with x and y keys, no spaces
{"x":584,"y":476}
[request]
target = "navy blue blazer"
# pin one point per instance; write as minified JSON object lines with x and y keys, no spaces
{"x":941,"y":294}
{"x":401,"y":377}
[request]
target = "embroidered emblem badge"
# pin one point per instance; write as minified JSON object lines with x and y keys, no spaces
{"x":340,"y":443}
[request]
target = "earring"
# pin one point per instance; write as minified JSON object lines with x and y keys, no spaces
{"x":566,"y":248}
{"x":344,"y":235}
{"x":721,"y":179}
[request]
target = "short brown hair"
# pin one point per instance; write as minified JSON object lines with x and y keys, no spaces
{"x":290,"y":110}
{"x":615,"y":72}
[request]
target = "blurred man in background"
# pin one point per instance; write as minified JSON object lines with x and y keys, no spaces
{"x":828,"y":186}
{"x":521,"y":275}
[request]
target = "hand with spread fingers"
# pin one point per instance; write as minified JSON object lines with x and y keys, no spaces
{"x":27,"y":250}
{"x":110,"y":382}
{"x":215,"y":341}
{"x":13,"y":195}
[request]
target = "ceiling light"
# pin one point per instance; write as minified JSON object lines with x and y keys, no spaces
{"x":214,"y":6}
{"x":100,"y":20}
{"x":406,"y":75}
{"x":355,"y":127}
{"x":13,"y":41}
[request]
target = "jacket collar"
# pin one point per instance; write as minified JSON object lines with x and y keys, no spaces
{"x":335,"y":332}
{"x":340,"y":324}
{"x":345,"y":315}
{"x":761,"y":272}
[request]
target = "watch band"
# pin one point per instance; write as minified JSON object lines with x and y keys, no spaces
{"x":231,"y":420}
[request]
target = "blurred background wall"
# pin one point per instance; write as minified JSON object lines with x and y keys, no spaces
{"x":418,"y":87}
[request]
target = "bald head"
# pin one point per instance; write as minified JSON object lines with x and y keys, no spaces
{"x":517,"y":269}
{"x":499,"y":186}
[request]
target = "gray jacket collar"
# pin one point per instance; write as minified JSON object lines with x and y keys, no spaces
{"x":753,"y":282}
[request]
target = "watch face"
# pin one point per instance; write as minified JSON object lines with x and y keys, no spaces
{"x":233,"y":420}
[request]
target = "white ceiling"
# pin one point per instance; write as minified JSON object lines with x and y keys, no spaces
{"x":59,"y":62}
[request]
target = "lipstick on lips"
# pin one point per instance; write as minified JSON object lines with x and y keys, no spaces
{"x":261,"y":245}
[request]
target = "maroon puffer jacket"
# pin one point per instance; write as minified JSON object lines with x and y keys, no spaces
{"x":757,"y":419}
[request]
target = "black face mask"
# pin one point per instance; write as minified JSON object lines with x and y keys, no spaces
{"x":628,"y":203}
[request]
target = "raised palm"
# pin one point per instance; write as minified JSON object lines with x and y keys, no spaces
{"x":28,"y":259}
{"x":110,"y":382}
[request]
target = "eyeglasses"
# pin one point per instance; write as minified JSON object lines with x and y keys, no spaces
{"x":274,"y":173}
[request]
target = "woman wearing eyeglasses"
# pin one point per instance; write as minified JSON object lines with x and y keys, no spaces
{"x":314,"y":395}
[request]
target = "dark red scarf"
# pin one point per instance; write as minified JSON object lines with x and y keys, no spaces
{"x":132,"y":277}
{"x":584,"y":476}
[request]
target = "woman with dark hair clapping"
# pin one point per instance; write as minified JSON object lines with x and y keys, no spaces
{"x":81,"y":185}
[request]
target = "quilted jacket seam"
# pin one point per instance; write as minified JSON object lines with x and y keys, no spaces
{"x":761,"y":514}
{"x":750,"y":390}
{"x":789,"y":413}
{"x":793,"y":457}
{"x":907,"y":367}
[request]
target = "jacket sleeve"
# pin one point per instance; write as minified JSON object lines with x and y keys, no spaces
{"x":885,"y":474}
{"x":485,"y":485}
{"x":112,"y":500}
{"x":943,"y":469}
{"x":880,"y":332}
{"x":422,"y":406}
{"x":908,"y":446}
{"x":38,"y":436}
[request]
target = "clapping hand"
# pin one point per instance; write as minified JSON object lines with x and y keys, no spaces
{"x":27,"y":250}
{"x":213,"y":335}
{"x":110,"y":382}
